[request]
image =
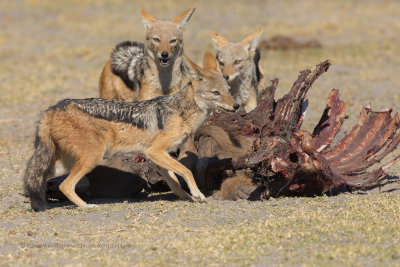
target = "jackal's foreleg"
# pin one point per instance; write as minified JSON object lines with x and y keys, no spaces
{"x":164,"y":160}
{"x":174,"y":184}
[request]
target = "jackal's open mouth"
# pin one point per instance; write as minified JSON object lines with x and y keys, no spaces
{"x":164,"y":62}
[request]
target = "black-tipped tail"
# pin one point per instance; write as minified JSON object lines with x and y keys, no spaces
{"x":38,"y":170}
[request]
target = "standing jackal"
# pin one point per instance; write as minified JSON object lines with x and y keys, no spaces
{"x":239,"y":63}
{"x":138,"y":71}
{"x":81,"y":133}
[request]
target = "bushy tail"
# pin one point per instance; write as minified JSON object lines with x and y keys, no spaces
{"x":40,"y":167}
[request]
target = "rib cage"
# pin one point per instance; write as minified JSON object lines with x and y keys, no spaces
{"x":375,"y":135}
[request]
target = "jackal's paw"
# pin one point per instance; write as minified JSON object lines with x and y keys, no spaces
{"x":190,"y":198}
{"x":198,"y":197}
{"x":90,"y":206}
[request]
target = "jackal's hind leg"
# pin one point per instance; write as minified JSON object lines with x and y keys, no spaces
{"x":67,"y":187}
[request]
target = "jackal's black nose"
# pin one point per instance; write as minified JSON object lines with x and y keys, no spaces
{"x":236,"y":106}
{"x":226,"y":77}
{"x":164,"y":54}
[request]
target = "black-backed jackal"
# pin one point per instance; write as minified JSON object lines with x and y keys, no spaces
{"x":240,"y":64}
{"x":82,"y":133}
{"x":138,"y":71}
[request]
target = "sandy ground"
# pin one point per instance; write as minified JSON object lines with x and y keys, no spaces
{"x":51,"y":50}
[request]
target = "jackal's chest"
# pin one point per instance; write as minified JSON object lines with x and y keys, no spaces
{"x":154,"y":84}
{"x":242,"y":90}
{"x":178,"y":142}
{"x":182,"y":127}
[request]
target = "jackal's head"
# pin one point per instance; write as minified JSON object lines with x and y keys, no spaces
{"x":235,"y":58}
{"x":164,"y":41}
{"x":212,"y":91}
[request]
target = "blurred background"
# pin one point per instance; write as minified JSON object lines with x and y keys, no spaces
{"x":50,"y":50}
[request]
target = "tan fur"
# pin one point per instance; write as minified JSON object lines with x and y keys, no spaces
{"x":188,"y":155}
{"x":216,"y":142}
{"x":78,"y":134}
{"x":111,"y":86}
{"x":161,"y":36}
{"x":146,"y":15}
{"x":231,"y":188}
{"x":85,"y":133}
{"x":223,"y":146}
{"x":238,"y":66}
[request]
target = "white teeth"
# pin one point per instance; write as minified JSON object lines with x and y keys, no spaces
{"x":164,"y":64}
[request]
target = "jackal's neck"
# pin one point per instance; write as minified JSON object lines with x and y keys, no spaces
{"x":242,"y":87}
{"x":165,"y":80}
{"x":185,"y":101}
{"x":190,"y":108}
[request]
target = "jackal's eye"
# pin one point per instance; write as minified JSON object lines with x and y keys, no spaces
{"x":221,"y":63}
{"x":173,"y":41}
{"x":237,"y":61}
{"x":215,"y":93}
{"x":156,"y":39}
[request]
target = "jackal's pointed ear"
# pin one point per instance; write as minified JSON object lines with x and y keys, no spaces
{"x":194,"y":66}
{"x":218,"y":40}
{"x":147,"y":18}
{"x":183,"y":18}
{"x":251,"y":41}
{"x":209,"y":61}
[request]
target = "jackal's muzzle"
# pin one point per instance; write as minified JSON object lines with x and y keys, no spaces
{"x":164,"y":58}
{"x":229,"y":108}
